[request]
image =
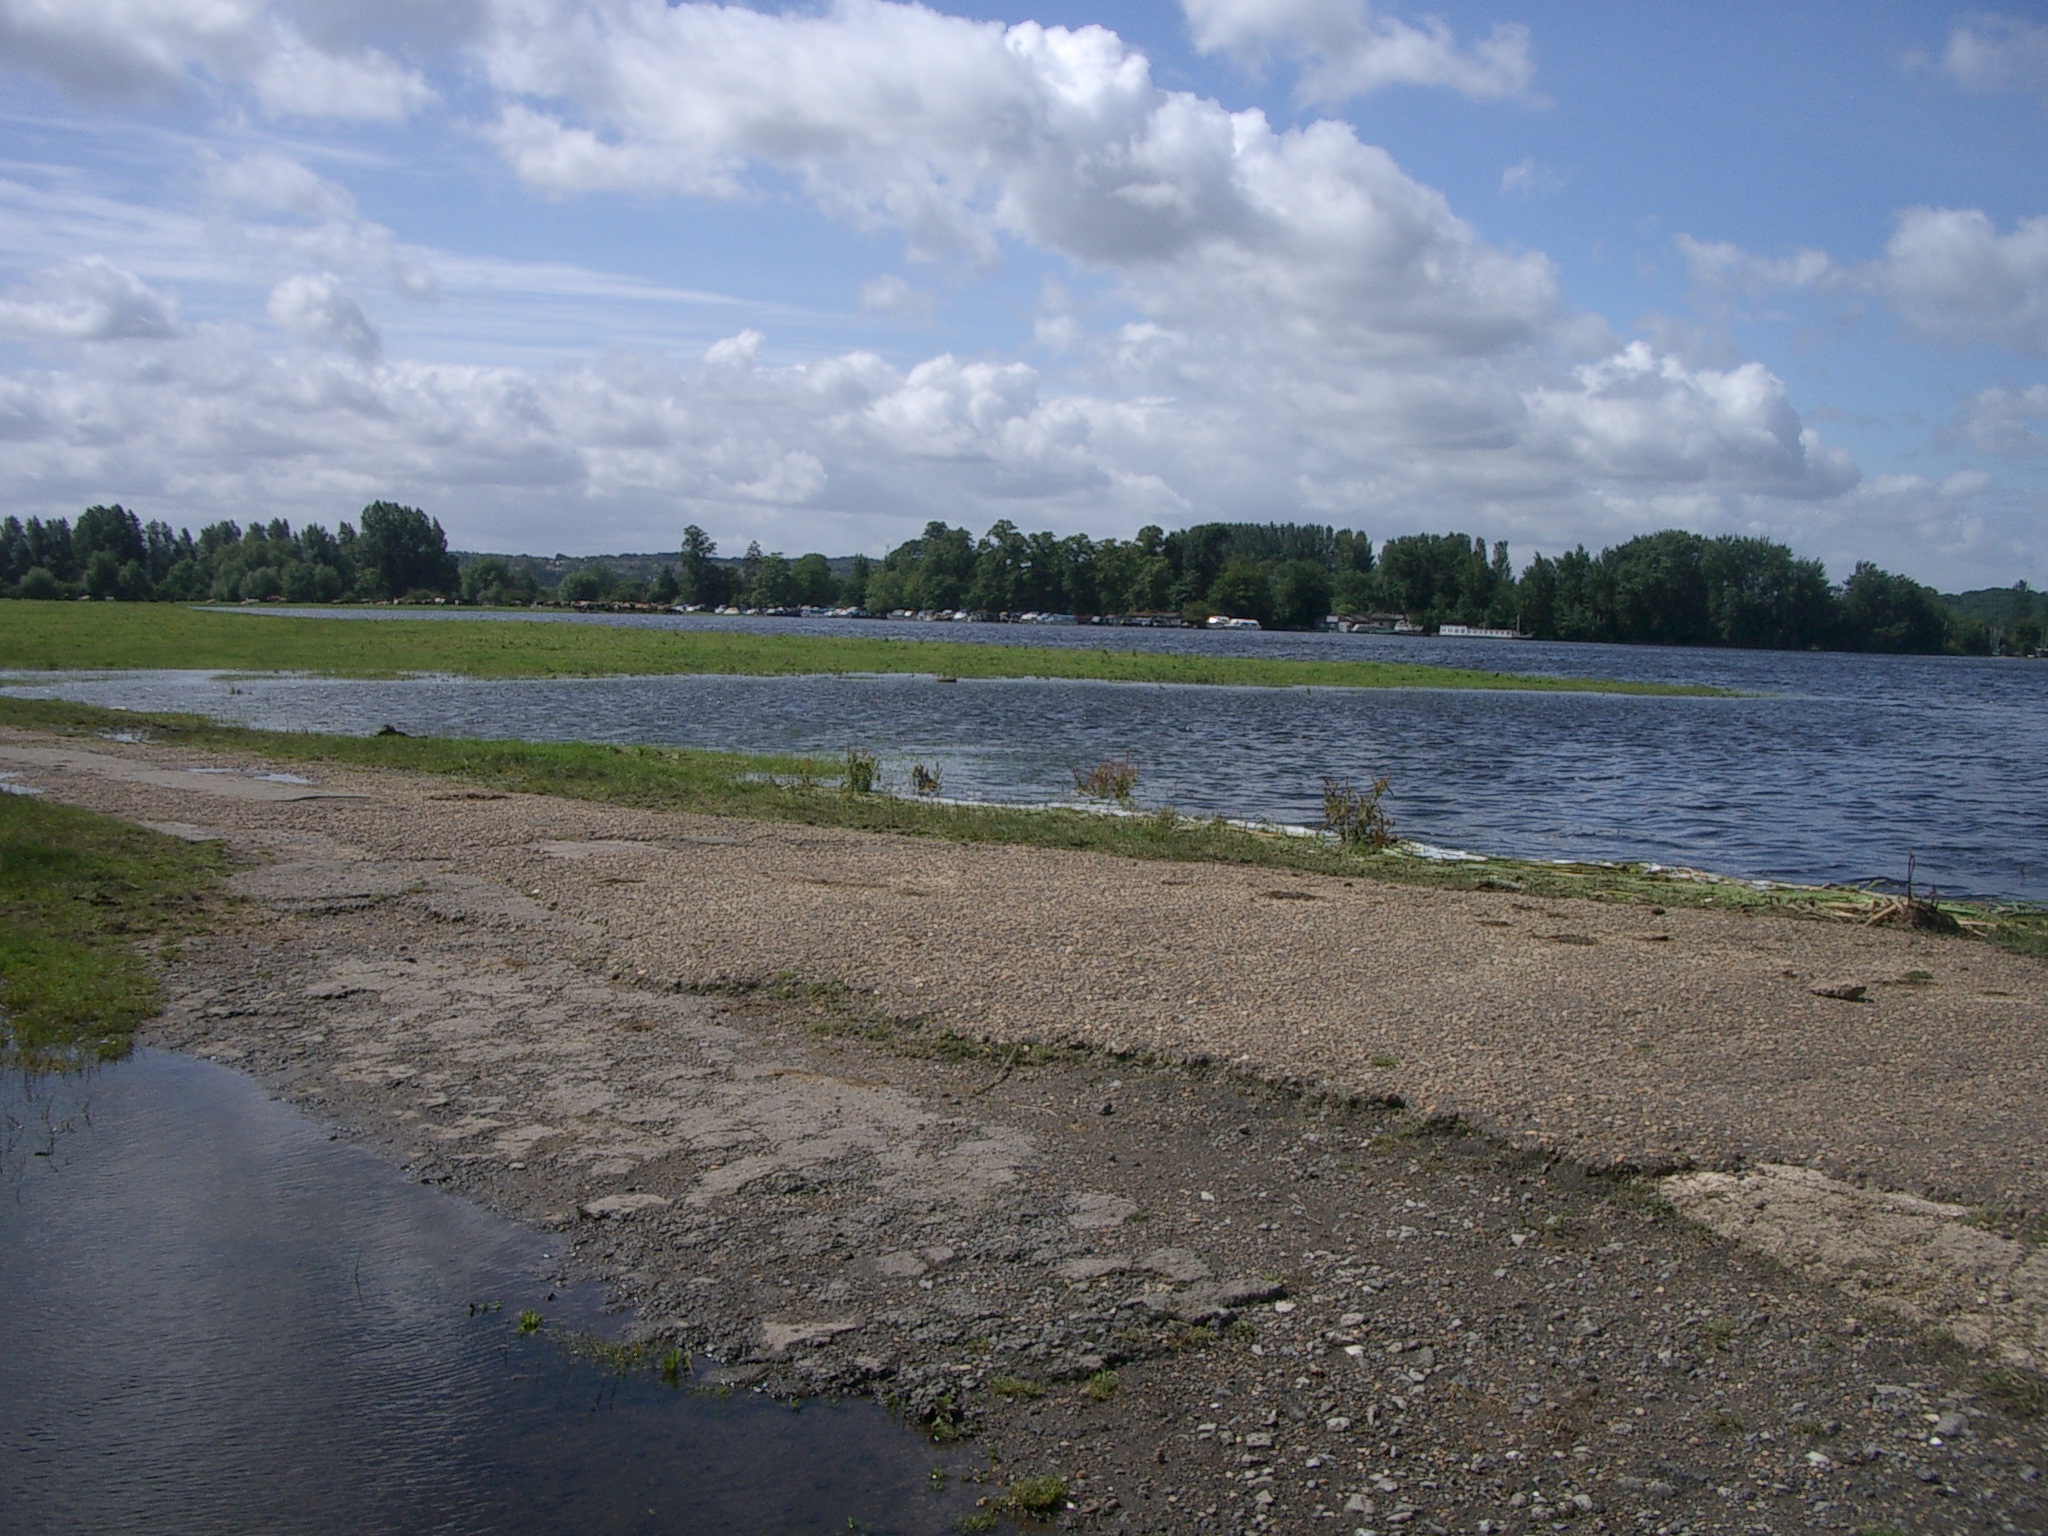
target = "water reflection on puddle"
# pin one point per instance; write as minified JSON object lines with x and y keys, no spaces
{"x":218,"y":1320}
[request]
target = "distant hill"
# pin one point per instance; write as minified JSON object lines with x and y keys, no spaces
{"x":1999,"y":606}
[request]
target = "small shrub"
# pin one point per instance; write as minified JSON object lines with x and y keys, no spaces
{"x":1356,"y":815}
{"x":923,"y":780}
{"x":1101,"y":1386}
{"x":1037,"y":1496}
{"x":1114,"y":778}
{"x":861,"y":772}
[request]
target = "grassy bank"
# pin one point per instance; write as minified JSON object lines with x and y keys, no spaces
{"x":75,"y":636}
{"x":81,"y":897}
{"x":811,"y":792}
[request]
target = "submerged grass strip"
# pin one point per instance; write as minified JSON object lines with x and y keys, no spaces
{"x":111,"y":636}
{"x":79,"y":895}
{"x":809,"y":791}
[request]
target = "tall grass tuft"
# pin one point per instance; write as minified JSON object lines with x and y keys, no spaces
{"x":923,"y":780}
{"x":1356,"y":815}
{"x":861,"y":772}
{"x":1114,"y":778}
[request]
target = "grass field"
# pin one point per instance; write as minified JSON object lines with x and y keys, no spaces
{"x":811,"y":792}
{"x":90,"y":636}
{"x":82,"y":900}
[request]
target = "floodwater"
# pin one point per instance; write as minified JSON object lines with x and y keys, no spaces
{"x":1823,"y":767}
{"x":214,"y":1318}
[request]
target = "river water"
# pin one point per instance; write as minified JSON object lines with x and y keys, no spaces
{"x":216,"y":1319}
{"x":1822,"y":767}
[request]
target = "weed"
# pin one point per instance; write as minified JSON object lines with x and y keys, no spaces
{"x":938,"y":1477}
{"x":2020,"y":1393}
{"x":1715,"y":1333}
{"x":861,"y":773}
{"x":981,"y":1520}
{"x":945,"y":1423}
{"x":1038,"y":1497}
{"x":1385,"y":1061}
{"x":923,"y":780}
{"x":1114,"y":778}
{"x":1356,"y":815}
{"x":529,"y":1321}
{"x":1015,"y":1388}
{"x":1726,"y":1421}
{"x":1102,"y":1386}
{"x":673,"y":1367}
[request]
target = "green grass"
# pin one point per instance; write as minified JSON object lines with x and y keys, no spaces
{"x":807,"y":791}
{"x":94,"y":636}
{"x":81,"y":897}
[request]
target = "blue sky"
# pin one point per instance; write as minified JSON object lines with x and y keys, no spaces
{"x":572,"y":273}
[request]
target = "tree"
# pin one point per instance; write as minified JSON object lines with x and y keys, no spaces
{"x":1883,"y":612}
{"x":401,"y":550}
{"x":704,"y":581}
{"x":815,"y":586}
{"x":1243,"y":592}
{"x":1301,"y":595}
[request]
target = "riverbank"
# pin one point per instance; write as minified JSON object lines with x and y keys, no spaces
{"x":110,"y":636}
{"x":1005,"y":1136}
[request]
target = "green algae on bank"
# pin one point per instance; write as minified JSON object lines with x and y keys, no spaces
{"x":62,"y":637}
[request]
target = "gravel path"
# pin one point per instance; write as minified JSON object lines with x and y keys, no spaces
{"x":1319,"y":1313}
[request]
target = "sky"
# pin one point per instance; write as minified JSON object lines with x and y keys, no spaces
{"x":571,"y":274}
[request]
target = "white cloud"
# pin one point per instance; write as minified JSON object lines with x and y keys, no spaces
{"x":1953,"y":276}
{"x":1991,"y":54}
{"x":144,"y":50}
{"x":1641,"y":417}
{"x":2005,"y":420}
{"x":1526,"y":178}
{"x":1346,"y":49}
{"x":891,"y":295}
{"x":316,"y":309}
{"x":88,"y":299}
{"x":1718,"y":265}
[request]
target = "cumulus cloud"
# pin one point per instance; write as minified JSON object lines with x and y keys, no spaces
{"x":1953,"y":276}
{"x":314,"y":308}
{"x":1991,"y":54}
{"x":965,"y":133}
{"x":2006,"y":420}
{"x":88,"y":299}
{"x":128,"y":50}
{"x":1641,"y":417}
{"x":1346,"y":49}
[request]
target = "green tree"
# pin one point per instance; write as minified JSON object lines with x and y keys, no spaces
{"x":401,"y":550}
{"x":1242,"y":591}
{"x":1883,"y":612}
{"x":1301,"y":595}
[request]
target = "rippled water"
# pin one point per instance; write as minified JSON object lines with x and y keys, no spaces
{"x":1826,"y":767}
{"x":216,"y":1320}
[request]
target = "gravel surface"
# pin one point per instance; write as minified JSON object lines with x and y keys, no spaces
{"x":1215,"y":1282}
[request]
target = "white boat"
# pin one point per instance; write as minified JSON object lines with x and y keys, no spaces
{"x":1220,"y":621}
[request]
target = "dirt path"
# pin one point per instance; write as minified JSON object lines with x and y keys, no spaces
{"x":1317,"y":1314}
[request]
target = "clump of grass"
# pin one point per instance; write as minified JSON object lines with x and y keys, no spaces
{"x":672,"y":1367}
{"x":861,"y":772}
{"x":1015,"y":1388}
{"x":923,"y":780}
{"x":1102,"y":1386}
{"x":529,"y":1322}
{"x":1037,"y":1497}
{"x":1114,"y":778}
{"x":1356,"y":815}
{"x":80,"y":895}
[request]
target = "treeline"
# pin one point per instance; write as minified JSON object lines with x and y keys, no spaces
{"x":397,"y":553}
{"x":1670,"y":588}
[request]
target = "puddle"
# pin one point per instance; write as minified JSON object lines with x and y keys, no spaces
{"x":220,"y":1320}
